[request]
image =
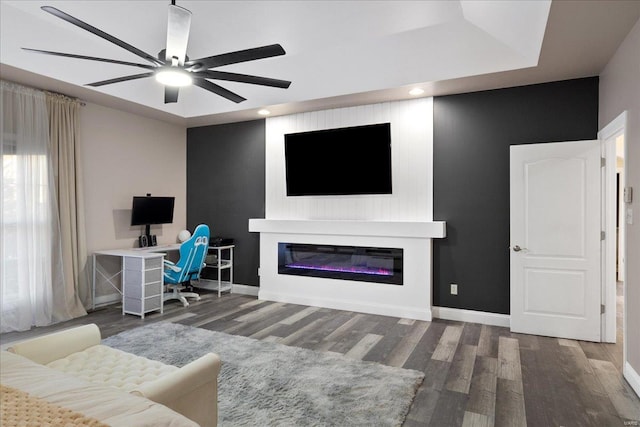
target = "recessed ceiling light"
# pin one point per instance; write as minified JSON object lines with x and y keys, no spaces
{"x":416,"y":91}
{"x":174,"y":77}
{"x":264,"y":112}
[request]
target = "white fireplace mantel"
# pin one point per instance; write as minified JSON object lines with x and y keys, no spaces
{"x":410,"y":300}
{"x":406,"y":229}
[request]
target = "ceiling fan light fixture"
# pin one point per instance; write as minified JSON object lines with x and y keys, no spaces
{"x":172,"y":67}
{"x":174,"y":77}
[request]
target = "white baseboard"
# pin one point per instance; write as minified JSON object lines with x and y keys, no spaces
{"x":336,"y":304}
{"x":472,"y":316}
{"x":236,"y":289}
{"x":107,"y":299}
{"x":632,"y":377}
{"x":245,"y":290}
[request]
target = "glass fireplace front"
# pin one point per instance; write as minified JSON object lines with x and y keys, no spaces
{"x":365,"y":264}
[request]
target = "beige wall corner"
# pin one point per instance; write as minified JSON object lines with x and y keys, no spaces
{"x":620,"y":91}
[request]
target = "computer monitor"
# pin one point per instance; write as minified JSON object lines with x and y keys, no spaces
{"x":150,"y":210}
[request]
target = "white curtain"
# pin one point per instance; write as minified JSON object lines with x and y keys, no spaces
{"x":67,"y":170}
{"x":30,"y":262}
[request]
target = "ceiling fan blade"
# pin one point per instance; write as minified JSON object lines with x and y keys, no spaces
{"x":178,"y":33}
{"x":244,"y":78}
{"x":170,"y":94}
{"x":75,"y":21}
{"x":236,"y":57}
{"x":90,"y":58}
{"x":218,"y":90}
{"x":121,"y":79}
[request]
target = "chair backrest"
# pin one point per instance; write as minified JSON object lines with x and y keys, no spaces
{"x":193,"y":253}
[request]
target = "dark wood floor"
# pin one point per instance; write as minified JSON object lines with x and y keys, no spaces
{"x":476,"y":375}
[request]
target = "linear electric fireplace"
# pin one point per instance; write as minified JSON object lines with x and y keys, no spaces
{"x":364,"y":264}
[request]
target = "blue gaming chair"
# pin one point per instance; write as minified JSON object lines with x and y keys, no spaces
{"x":188,"y":267}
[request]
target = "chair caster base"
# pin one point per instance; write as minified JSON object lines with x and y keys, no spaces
{"x":181,"y":296}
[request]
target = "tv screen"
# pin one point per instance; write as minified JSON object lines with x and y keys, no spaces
{"x":152,"y":210}
{"x":333,"y":162}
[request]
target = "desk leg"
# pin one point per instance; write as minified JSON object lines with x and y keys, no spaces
{"x":93,"y":285}
{"x":219,"y":271}
{"x":123,"y":277}
{"x":231,"y":270}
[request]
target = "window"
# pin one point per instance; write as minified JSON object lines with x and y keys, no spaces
{"x":22,"y":215}
{"x":27,"y":211}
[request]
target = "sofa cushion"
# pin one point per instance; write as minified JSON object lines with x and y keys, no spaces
{"x":105,"y":365}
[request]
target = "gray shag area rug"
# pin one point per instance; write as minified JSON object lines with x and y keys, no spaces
{"x":269,"y":384}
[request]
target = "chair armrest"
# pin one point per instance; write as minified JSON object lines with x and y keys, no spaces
{"x":191,"y":390}
{"x":171,"y":266}
{"x":47,"y":348}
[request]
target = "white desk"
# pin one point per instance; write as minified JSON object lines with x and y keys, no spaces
{"x":141,"y":272}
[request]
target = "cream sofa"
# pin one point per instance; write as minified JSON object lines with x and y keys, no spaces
{"x":190,"y":390}
{"x":63,"y":392}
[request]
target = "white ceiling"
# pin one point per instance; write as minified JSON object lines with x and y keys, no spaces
{"x":338,"y":52}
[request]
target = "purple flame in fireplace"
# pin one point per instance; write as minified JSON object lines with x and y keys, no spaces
{"x":355,"y":263}
{"x":350,"y":269}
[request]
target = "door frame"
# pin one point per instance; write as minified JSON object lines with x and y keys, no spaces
{"x":608,"y":133}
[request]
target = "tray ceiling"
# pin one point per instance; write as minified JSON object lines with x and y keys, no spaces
{"x":334,"y":48}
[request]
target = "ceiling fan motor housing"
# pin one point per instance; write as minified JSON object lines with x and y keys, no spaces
{"x":162,"y":56}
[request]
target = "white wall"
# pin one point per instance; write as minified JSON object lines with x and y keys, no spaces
{"x":125,"y":155}
{"x":411,"y":156}
{"x":620,"y":91}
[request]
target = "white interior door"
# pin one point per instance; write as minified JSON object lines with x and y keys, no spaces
{"x":555,"y":239}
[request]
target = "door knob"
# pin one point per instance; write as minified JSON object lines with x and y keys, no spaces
{"x":517,"y":248}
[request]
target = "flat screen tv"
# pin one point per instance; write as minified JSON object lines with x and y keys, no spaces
{"x":335,"y":162}
{"x":148,"y":210}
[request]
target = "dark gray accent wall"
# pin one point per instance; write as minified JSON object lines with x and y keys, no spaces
{"x":472,"y":135}
{"x":225,"y":187}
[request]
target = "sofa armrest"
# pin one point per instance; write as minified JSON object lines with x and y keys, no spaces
{"x":50,"y":347}
{"x":182,"y":381}
{"x":191,"y":390}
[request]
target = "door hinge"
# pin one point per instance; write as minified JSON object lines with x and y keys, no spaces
{"x":602,"y":310}
{"x":603,"y":235}
{"x":603,"y":162}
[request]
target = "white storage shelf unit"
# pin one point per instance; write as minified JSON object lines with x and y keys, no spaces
{"x":142,"y":283}
{"x":220,"y":258}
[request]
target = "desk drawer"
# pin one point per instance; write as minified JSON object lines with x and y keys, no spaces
{"x":135,"y":263}
{"x":140,"y":306}
{"x":149,"y":289}
{"x":137,"y":277}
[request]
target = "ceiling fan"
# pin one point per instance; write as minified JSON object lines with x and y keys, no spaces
{"x":172,"y":67}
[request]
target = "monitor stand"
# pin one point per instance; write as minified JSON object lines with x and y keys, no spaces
{"x":147,"y":239}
